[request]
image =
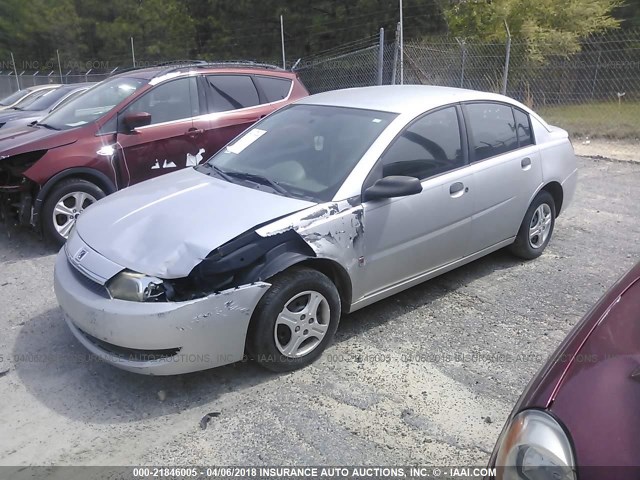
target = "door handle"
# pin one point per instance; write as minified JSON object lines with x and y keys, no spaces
{"x":457,"y":189}
{"x":525,"y":163}
{"x":192,"y":132}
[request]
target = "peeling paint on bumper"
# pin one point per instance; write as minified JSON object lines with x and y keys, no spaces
{"x":209,"y":332}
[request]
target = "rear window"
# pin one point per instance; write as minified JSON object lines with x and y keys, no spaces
{"x":275,"y":89}
{"x":231,"y":92}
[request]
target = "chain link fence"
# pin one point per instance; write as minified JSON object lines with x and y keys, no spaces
{"x":594,"y":93}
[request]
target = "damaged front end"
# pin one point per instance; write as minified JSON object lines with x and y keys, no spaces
{"x":247,"y":259}
{"x":16,"y":190}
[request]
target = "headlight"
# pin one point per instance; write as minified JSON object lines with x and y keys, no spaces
{"x":535,"y":447}
{"x":135,"y":287}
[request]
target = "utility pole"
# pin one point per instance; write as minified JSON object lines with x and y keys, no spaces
{"x":284,"y":58}
{"x":505,"y":78}
{"x":381,"y":56}
{"x":133,"y":54}
{"x":401,"y":46}
{"x":15,"y":70}
{"x":59,"y":65}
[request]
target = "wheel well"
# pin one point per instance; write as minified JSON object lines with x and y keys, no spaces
{"x":337,"y":274}
{"x":555,"y":189}
{"x":106,"y":188}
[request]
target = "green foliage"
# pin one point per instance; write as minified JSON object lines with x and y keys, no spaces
{"x":97,"y":33}
{"x":546,"y":26}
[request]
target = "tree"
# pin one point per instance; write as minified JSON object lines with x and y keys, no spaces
{"x":545,"y":26}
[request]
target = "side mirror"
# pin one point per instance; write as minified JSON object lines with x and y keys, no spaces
{"x":393,"y":186}
{"x":134,"y":120}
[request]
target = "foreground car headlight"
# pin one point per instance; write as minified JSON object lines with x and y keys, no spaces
{"x":135,"y":287}
{"x":535,"y":447}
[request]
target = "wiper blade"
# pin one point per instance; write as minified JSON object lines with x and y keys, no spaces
{"x":254,"y":177}
{"x":221,"y":172}
{"x":46,"y":125}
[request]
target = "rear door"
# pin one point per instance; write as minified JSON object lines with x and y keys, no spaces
{"x":235,"y":102}
{"x":168,"y":142}
{"x":408,"y":236}
{"x":506,"y":167}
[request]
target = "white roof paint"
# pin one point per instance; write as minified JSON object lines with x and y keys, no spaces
{"x":399,"y":98}
{"x":407,"y":100}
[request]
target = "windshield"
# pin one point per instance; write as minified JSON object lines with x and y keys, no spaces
{"x":13,"y":98}
{"x":98,"y":101}
{"x":304,"y":151}
{"x":34,"y":103}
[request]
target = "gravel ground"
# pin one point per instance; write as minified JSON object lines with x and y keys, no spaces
{"x":420,"y":378}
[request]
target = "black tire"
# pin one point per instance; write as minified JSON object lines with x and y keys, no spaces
{"x":62,"y":189}
{"x":524,"y":247}
{"x":262,"y":336}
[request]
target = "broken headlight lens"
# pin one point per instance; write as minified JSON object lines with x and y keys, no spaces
{"x":535,"y":447}
{"x":135,"y":287}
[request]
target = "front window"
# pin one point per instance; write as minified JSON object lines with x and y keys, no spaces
{"x":304,"y":151}
{"x":98,"y":101}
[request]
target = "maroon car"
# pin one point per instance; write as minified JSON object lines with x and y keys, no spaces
{"x":580,"y":415}
{"x":131,"y":127}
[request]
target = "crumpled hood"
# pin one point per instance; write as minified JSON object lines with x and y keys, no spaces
{"x":165,"y":226}
{"x":25,"y":139}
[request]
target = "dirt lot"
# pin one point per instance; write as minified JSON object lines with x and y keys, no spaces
{"x":403,"y":383}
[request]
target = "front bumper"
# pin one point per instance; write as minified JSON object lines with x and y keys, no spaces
{"x":156,"y":338}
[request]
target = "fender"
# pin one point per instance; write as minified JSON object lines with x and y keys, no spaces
{"x":104,"y":182}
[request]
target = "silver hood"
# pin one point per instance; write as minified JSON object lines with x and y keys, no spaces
{"x":165,"y":226}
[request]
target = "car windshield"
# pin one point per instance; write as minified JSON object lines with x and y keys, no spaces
{"x":13,"y":98}
{"x":304,"y":151}
{"x":44,"y":102}
{"x":98,"y":101}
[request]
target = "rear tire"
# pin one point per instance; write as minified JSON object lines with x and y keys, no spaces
{"x":536,"y":228}
{"x":67,"y":200}
{"x":294,"y":321}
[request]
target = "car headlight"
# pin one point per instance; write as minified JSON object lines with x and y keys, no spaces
{"x":535,"y":447}
{"x":135,"y":287}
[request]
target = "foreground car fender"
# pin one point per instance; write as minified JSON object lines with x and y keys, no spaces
{"x":169,"y":337}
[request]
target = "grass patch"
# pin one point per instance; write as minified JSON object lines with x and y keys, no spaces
{"x":597,"y":120}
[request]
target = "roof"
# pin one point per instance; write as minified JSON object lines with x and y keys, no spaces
{"x":227,"y":67}
{"x":399,"y":98}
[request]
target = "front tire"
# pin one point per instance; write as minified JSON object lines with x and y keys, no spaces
{"x":536,"y":228}
{"x":294,"y":321}
{"x":64,"y":204}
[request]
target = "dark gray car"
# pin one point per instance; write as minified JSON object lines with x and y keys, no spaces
{"x":33,"y":110}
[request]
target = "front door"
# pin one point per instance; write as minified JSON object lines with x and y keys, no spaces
{"x":170,"y":141}
{"x":408,"y":236}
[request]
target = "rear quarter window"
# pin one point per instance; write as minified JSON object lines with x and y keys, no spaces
{"x":275,"y":89}
{"x":523,"y":128}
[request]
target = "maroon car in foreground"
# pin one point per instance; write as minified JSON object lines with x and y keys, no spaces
{"x":580,"y":415}
{"x":131,"y":127}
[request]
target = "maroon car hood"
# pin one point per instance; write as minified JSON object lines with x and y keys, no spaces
{"x":598,"y":400}
{"x":28,"y":139}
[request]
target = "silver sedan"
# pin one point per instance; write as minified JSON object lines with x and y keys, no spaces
{"x":326,"y":206}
